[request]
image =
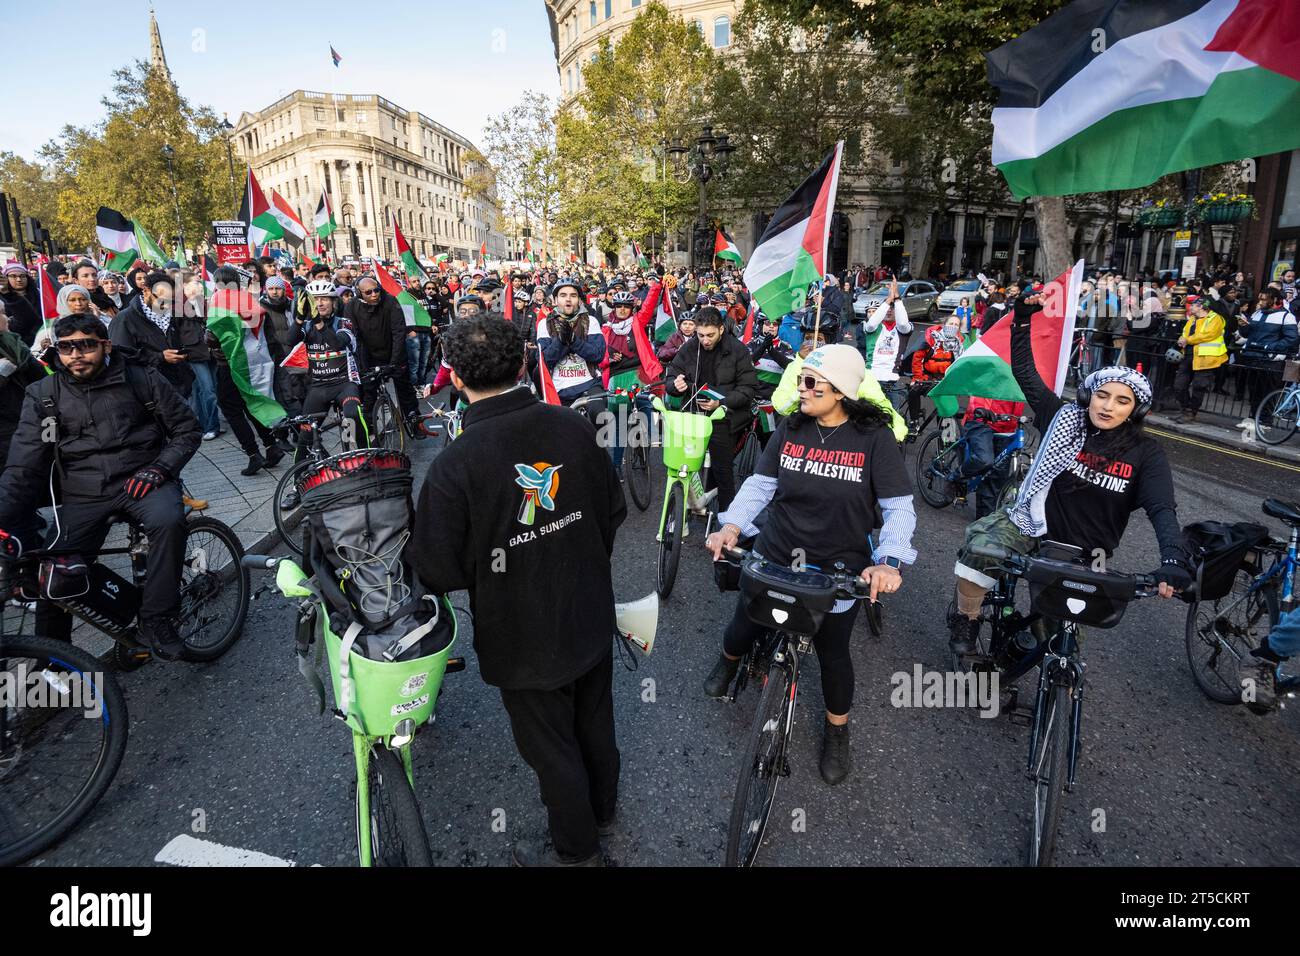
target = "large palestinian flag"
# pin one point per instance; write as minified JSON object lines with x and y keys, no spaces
{"x":244,"y":344}
{"x":411,"y":308}
{"x":791,"y":253}
{"x":324,"y":221}
{"x":413,"y":270}
{"x":724,"y":247}
{"x":984,"y":368}
{"x":263,"y":226}
{"x":1114,"y":94}
{"x":295,"y":233}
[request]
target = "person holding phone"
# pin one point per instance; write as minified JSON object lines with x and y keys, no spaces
{"x":149,"y":327}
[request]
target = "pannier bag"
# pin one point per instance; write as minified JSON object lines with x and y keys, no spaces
{"x":1067,"y":591}
{"x":1218,"y":550}
{"x":784,"y":599}
{"x":359,"y":514}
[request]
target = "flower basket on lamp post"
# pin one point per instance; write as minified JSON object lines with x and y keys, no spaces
{"x":1161,"y":217}
{"x":1222,"y":213}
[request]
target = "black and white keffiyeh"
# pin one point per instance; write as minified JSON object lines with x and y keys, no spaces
{"x":1061,"y":445}
{"x":161,"y":319}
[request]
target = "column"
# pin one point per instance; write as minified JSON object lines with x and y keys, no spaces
{"x":959,"y":243}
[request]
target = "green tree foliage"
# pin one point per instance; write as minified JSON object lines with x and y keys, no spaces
{"x":521,"y":162}
{"x":120,"y":163}
{"x":649,"y":88}
{"x":36,"y":187}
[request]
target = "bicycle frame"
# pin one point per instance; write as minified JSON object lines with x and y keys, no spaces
{"x":974,"y":481}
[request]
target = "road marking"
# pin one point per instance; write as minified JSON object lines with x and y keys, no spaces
{"x":186,"y":850}
{"x":1227,"y":451}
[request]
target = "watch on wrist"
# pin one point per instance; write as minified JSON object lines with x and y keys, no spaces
{"x":894,"y":563}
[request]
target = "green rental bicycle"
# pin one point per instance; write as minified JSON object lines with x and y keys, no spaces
{"x":384,"y":703}
{"x":686,"y":443}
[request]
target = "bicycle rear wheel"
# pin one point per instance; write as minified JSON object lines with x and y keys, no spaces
{"x":670,"y":548}
{"x":214,"y":590}
{"x":1019,"y":468}
{"x":1047,"y":774}
{"x":1221,"y":634}
{"x":397,"y":834}
{"x":637,"y":470}
{"x":284,"y":518}
{"x":934,"y":464}
{"x":761,"y":768}
{"x":57,"y":758}
{"x":1275,"y":421}
{"x":747,"y":460}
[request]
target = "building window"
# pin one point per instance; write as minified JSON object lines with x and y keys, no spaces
{"x":319,"y":113}
{"x":383,"y":185}
{"x":343,"y":116}
{"x":722,"y":32}
{"x":568,"y":79}
{"x":593,"y":12}
{"x":609,"y":9}
{"x":360,"y":116}
{"x":364,"y":219}
{"x":635,"y":4}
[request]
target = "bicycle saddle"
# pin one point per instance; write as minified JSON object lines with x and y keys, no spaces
{"x":1282,"y":510}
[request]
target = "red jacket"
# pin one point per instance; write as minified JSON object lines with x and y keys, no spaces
{"x":997,"y":406}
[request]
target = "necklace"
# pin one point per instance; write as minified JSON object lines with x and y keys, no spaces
{"x":824,"y":437}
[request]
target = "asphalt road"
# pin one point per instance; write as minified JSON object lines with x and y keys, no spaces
{"x":1166,"y":776}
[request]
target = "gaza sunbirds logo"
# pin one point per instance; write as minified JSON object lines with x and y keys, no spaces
{"x":540,"y":482}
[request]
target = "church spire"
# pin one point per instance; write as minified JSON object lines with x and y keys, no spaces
{"x":157,"y":59}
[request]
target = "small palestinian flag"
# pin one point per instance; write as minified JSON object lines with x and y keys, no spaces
{"x":1114,"y":94}
{"x":665,"y":319}
{"x":324,"y":222}
{"x":413,"y":270}
{"x":121,"y":261}
{"x":791,"y":253}
{"x":528,"y":251}
{"x":549,"y":395}
{"x":641,"y":261}
{"x":297,"y":357}
{"x":416,"y":316}
{"x":295,"y":233}
{"x":244,"y":344}
{"x":984,"y":369}
{"x":724,"y":247}
{"x":263,"y":226}
{"x":482,"y":252}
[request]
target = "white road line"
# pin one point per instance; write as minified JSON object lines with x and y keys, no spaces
{"x":186,"y":850}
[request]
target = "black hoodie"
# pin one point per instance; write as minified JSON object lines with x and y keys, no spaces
{"x":380,"y":330}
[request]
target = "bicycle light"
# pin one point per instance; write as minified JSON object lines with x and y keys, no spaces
{"x":403,"y":733}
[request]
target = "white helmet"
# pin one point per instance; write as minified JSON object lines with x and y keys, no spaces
{"x":321,"y":287}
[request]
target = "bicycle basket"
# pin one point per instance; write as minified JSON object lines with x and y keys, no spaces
{"x":1291,"y":370}
{"x":1219,"y":549}
{"x":686,"y":439}
{"x":375,"y":695}
{"x":1070,"y":592}
{"x":785,"y":599}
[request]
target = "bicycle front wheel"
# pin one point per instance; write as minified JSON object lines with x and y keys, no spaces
{"x":1221,"y":634}
{"x":761,"y":769}
{"x":57,"y":755}
{"x":670,"y":545}
{"x":214,"y":590}
{"x":637,"y":469}
{"x":935,"y":464}
{"x":387,"y":430}
{"x":1275,"y":421}
{"x":1047,"y":775}
{"x":397,"y":835}
{"x":284,"y":517}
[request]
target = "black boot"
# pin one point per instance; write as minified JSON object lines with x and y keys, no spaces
{"x":836,"y":762}
{"x":539,"y":853}
{"x":961,"y":638}
{"x":274,"y":453}
{"x":159,"y":635}
{"x":255,"y":464}
{"x":719,"y":679}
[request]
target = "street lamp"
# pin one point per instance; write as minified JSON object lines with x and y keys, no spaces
{"x":226,"y":130}
{"x":170,"y":154}
{"x":709,"y":156}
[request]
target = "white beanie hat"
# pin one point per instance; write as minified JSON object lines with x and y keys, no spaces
{"x":841,"y":365}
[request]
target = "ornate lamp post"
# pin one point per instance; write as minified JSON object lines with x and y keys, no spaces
{"x":170,"y":154}
{"x":707,"y":157}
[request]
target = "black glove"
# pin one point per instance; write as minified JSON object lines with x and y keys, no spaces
{"x":10,"y":547}
{"x":566,"y":332}
{"x":144,"y":481}
{"x":1173,"y":573}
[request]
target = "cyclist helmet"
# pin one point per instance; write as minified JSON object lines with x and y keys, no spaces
{"x":322,"y":287}
{"x":620,"y":300}
{"x":830,"y":323}
{"x":521,"y":295}
{"x":566,"y":282}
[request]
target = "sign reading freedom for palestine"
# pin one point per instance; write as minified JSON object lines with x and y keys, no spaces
{"x":231,"y":241}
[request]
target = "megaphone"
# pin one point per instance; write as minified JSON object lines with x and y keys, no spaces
{"x":637,"y":621}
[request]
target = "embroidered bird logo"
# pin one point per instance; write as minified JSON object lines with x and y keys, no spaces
{"x":540,"y":482}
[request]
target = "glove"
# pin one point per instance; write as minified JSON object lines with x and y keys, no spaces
{"x":566,"y":332}
{"x":10,"y":547}
{"x":144,"y":481}
{"x":1175,"y":575}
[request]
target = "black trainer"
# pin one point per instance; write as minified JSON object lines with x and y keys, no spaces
{"x":159,"y":635}
{"x":528,"y":853}
{"x":719,"y":679}
{"x":255,"y":464}
{"x":290,"y":500}
{"x":836,"y":761}
{"x":274,"y":454}
{"x":961,"y":637}
{"x":607,"y":828}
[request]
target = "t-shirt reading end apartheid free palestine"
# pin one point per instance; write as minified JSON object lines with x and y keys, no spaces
{"x":828,"y":484}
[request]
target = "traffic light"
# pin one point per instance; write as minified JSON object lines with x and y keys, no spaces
{"x":31,"y":229}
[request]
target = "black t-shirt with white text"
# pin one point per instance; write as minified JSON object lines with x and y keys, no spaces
{"x":829,"y":481}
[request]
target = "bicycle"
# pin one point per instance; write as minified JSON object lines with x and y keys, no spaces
{"x":1079,"y":364}
{"x":388,"y":430}
{"x":939,"y":477}
{"x":636,"y":460}
{"x":1064,"y":593}
{"x":916,"y":426}
{"x":449,"y":428}
{"x":1278,"y":413}
{"x":305,"y":432}
{"x":383,"y":703}
{"x":792,"y":603}
{"x":749,"y":444}
{"x":686,"y":442}
{"x":1221,"y":633}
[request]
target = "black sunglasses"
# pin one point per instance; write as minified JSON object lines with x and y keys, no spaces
{"x":80,"y":346}
{"x":811,"y":384}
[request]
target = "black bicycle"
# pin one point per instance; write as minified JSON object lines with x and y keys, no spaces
{"x":306,"y":433}
{"x":385,"y":420}
{"x":792,"y":603}
{"x":1065,"y":593}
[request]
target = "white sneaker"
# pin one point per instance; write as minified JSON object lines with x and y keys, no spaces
{"x":1244,"y":423}
{"x":208,"y":436}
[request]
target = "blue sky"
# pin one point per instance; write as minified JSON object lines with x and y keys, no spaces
{"x":457,"y":62}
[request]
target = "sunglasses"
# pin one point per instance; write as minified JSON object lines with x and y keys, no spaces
{"x":811,"y":384}
{"x":370,"y":292}
{"x":80,"y":346}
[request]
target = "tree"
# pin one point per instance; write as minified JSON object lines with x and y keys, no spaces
{"x":520,"y":160}
{"x":649,"y":89}
{"x":119,"y":163}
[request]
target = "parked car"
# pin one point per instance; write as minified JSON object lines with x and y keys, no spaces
{"x":951,"y":297}
{"x":919,"y":298}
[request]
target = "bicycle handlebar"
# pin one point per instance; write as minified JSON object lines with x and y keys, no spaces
{"x":847,"y":585}
{"x":259,"y":562}
{"x":1019,"y":564}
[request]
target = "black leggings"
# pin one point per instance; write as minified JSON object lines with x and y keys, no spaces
{"x":347,"y":397}
{"x":831,"y":642}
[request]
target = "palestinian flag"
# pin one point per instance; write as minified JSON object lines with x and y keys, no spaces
{"x":665,"y":320}
{"x":297,"y":358}
{"x":244,"y":344}
{"x":121,"y":261}
{"x":415,"y":313}
{"x":207,"y":266}
{"x":324,"y":222}
{"x":1177,"y":85}
{"x":295,"y":233}
{"x":724,"y":247}
{"x":263,"y":226}
{"x":178,"y":254}
{"x":47,"y":294}
{"x":549,"y":395}
{"x":482,"y":252}
{"x":984,"y":369}
{"x":116,"y":233}
{"x":641,"y":261}
{"x":791,"y":253}
{"x":413,"y":270}
{"x":528,"y":251}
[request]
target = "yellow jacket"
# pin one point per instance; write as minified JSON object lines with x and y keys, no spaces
{"x":785,"y":399}
{"x":1206,"y":338}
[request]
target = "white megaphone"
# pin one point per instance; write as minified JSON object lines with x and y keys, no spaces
{"x":637,"y":621}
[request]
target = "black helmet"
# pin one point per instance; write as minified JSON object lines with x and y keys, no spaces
{"x":830,"y":323}
{"x":623,"y":299}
